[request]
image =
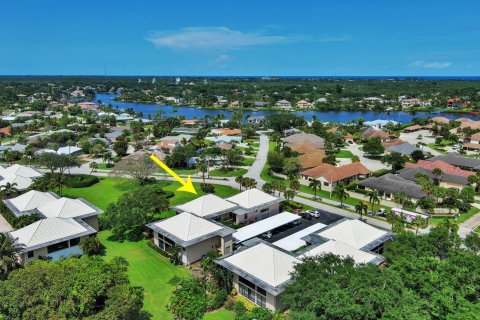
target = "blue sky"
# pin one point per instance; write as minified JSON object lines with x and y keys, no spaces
{"x":278,"y":38}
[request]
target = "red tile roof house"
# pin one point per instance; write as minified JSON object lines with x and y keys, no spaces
{"x":446,"y":169}
{"x":375,"y":133}
{"x":331,"y":176}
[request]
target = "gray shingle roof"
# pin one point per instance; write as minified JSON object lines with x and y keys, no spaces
{"x":458,"y":160}
{"x":391,"y":183}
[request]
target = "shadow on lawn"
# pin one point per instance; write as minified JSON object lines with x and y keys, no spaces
{"x":133,"y":235}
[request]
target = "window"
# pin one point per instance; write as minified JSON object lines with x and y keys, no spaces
{"x":253,"y":293}
{"x":57,"y":246}
{"x":325,"y":183}
{"x":30,"y":254}
{"x":74,"y":242}
{"x":264,"y":209}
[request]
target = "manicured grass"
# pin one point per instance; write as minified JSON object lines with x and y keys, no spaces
{"x":183,"y":171}
{"x":220,"y":315}
{"x":103,"y":166}
{"x":147,"y":269}
{"x":247,"y":161}
{"x":108,"y":190}
{"x":344,"y":154}
{"x":235,"y":172}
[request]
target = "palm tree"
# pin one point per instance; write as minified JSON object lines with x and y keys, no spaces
{"x":400,"y":197}
{"x":418,"y":222}
{"x":438,"y":173}
{"x":94,"y":166}
{"x":340,"y":193}
{"x":289,"y":194}
{"x":203,"y":168}
{"x":315,"y":185}
{"x":268,"y":187}
{"x":107,"y":157}
{"x":294,"y":185}
{"x":355,"y":158}
{"x":9,"y":189}
{"x":361,"y":208}
{"x":239,"y":180}
{"x":373,"y":197}
{"x":8,"y":254}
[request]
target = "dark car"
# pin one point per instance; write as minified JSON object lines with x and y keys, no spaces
{"x":305,"y":215}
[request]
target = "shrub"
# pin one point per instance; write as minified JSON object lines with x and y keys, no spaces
{"x":91,"y":246}
{"x":17,"y":222}
{"x":239,"y":309}
{"x":352,"y":185}
{"x":208,"y":188}
{"x":219,"y":300}
{"x":81,"y":180}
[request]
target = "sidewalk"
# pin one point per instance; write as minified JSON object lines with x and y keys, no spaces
{"x":469,"y":225}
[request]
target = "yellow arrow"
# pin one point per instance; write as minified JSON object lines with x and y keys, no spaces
{"x":186,"y":186}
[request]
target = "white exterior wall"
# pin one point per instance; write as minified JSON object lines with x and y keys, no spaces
{"x":256,"y":215}
{"x":273,"y":303}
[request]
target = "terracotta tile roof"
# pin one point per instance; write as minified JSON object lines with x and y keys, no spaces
{"x":445,"y":167}
{"x":305,"y":138}
{"x":225,"y":146}
{"x":302,"y":148}
{"x":310,"y":160}
{"x":394,"y":142}
{"x":471,"y":146}
{"x":440,"y":120}
{"x":5,"y":130}
{"x":189,"y":121}
{"x":228,"y":132}
{"x":475,"y":137}
{"x":374,"y":133}
{"x":334,"y":174}
{"x":412,"y":128}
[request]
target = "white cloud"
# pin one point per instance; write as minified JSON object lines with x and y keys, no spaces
{"x":221,"y":61}
{"x":212,"y":38}
{"x":432,"y":64}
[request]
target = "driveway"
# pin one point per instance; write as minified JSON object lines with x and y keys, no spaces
{"x":426,"y":138}
{"x":371,"y":164}
{"x":260,"y":161}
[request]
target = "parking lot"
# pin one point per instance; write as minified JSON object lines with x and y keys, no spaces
{"x":289,"y":229}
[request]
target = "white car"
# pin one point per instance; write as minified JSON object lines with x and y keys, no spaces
{"x":315,"y":214}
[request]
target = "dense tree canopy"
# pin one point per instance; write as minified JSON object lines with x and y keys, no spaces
{"x":426,"y":277}
{"x":74,"y":288}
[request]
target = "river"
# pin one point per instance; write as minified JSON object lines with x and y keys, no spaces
{"x":326,"y":116}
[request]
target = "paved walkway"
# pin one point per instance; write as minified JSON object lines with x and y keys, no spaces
{"x":469,"y":225}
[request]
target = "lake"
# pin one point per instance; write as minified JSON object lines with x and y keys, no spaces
{"x":325,"y":116}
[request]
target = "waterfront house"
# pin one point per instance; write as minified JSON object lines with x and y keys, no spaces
{"x":284,"y":104}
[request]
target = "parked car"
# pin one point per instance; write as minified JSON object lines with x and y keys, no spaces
{"x":305,"y":215}
{"x":267,"y":235}
{"x":315,"y":214}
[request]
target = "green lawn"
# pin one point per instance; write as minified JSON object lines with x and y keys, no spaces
{"x":344,"y":154}
{"x":148,"y":269}
{"x":109,"y":189}
{"x":461,"y":218}
{"x":220,"y":315}
{"x":247,"y":161}
{"x":235,"y":172}
{"x":103,"y":166}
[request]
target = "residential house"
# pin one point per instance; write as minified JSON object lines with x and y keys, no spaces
{"x":284,"y":104}
{"x":305,"y":104}
{"x":404,"y":148}
{"x":312,"y":159}
{"x":380,"y":123}
{"x":330,"y":175}
{"x":64,"y":223}
{"x":22,"y":176}
{"x":261,"y":270}
{"x":304,"y":138}
{"x":189,"y":122}
{"x":260,"y":104}
{"x":440,"y":120}
{"x":226,"y":132}
{"x":458,"y":160}
{"x":413,"y":128}
{"x":195,"y":235}
{"x":254,"y":205}
{"x":375,"y":133}
{"x":389,"y":184}
{"x":69,"y":150}
{"x":447,"y":180}
{"x":256,"y":119}
{"x":209,"y":206}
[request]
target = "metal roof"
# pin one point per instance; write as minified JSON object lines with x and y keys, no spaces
{"x":264,"y":225}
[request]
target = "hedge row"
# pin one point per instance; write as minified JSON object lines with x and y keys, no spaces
{"x":81,"y":180}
